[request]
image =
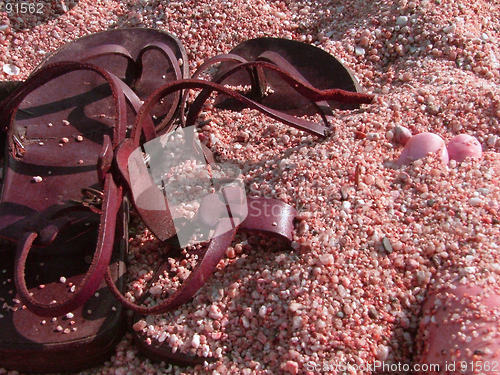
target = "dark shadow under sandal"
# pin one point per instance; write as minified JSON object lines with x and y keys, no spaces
{"x":58,"y":125}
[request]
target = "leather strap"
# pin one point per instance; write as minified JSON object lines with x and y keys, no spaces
{"x":268,"y":215}
{"x":272,"y":61}
{"x":257,"y":77}
{"x":301,"y":124}
{"x":94,"y":275}
{"x":169,"y":55}
{"x":201,"y":69}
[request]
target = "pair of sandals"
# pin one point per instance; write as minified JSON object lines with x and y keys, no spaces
{"x":76,"y":134}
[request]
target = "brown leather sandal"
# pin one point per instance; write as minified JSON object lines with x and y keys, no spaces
{"x":150,"y":201}
{"x":272,"y":66}
{"x":55,"y":135}
{"x":62,"y":124}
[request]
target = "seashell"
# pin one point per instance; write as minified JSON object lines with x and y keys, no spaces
{"x":420,"y":145}
{"x":463,"y":146}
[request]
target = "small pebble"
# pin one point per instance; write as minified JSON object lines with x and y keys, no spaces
{"x":326,"y":259}
{"x":382,"y":352}
{"x":11,"y":69}
{"x":156,"y":290}
{"x":387,"y":245}
{"x":450,"y":29}
{"x":359,"y":51}
{"x":243,"y":137}
{"x":401,"y":134}
{"x":37,"y":179}
{"x":402,"y":21}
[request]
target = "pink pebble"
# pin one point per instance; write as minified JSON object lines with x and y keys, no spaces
{"x":463,"y":146}
{"x":420,"y":145}
{"x":459,"y":327}
{"x":401,"y":134}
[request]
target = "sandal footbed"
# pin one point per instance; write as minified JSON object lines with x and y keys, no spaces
{"x":156,"y":70}
{"x":85,"y":338}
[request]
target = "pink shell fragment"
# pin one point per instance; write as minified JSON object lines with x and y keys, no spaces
{"x":463,"y":146}
{"x":420,"y":145}
{"x":459,"y":326}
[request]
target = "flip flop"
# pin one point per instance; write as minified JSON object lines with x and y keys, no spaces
{"x":251,"y":64}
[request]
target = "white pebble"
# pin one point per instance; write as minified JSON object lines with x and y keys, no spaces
{"x":296,"y":322}
{"x":346,"y":205}
{"x":263,"y":310}
{"x":162,"y":337}
{"x":401,"y":134}
{"x":382,"y":352}
{"x":326,"y":259}
{"x":195,"y":342}
{"x":492,"y":140}
{"x":155,"y":290}
{"x":294,"y":306}
{"x":37,"y":179}
{"x":450,"y":29}
{"x":280,"y":15}
{"x":402,"y":21}
{"x":214,"y":312}
{"x":359,"y":51}
{"x":11,"y":69}
{"x":475,"y":201}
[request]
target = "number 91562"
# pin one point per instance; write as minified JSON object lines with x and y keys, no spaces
{"x":24,"y":8}
{"x":477,"y":366}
